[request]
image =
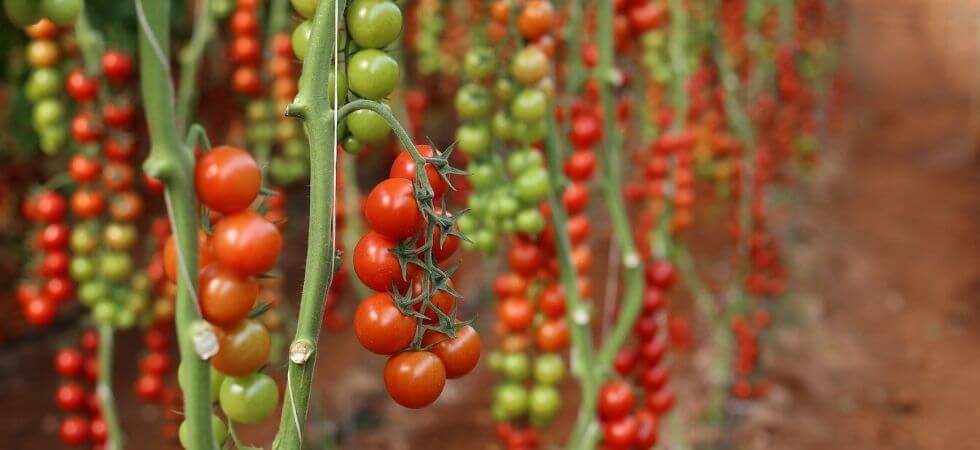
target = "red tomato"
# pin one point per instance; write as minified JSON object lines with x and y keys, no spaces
{"x":227,"y":179}
{"x":620,"y":433}
{"x":616,"y":400}
{"x":118,"y":115}
{"x":414,"y":379}
{"x":204,"y":255}
{"x":526,"y":259}
{"x":54,"y":237}
{"x":586,"y":131}
{"x":226,"y":297}
{"x":551,"y":301}
{"x":87,"y":203}
{"x":510,"y":285}
{"x":84,"y":169}
{"x":246,"y":243}
{"x":376,"y":266}
{"x":245,"y":50}
{"x":654,"y":378}
{"x":117,"y":66}
{"x":149,"y":387}
{"x":404,"y":167}
{"x":156,"y":363}
{"x":516,"y":313}
{"x":380,"y":327}
{"x":536,"y":19}
{"x":70,"y":396}
{"x":575,"y":198}
{"x":646,"y":430}
{"x":55,"y":264}
{"x":74,"y":431}
{"x":118,"y":177}
{"x":84,"y":129}
{"x":80,"y":86}
{"x":119,"y":149}
{"x":68,"y":362}
{"x":246,"y":80}
{"x":50,"y":207}
{"x":552,"y":335}
{"x":442,"y":300}
{"x":40,"y":311}
{"x":661,"y":274}
{"x":391,"y":209}
{"x":460,"y":354}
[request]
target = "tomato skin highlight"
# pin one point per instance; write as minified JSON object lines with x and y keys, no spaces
{"x":227,"y":179}
{"x":460,"y":354}
{"x":392,"y":211}
{"x":616,"y":400}
{"x":414,"y":379}
{"x":380,"y":327}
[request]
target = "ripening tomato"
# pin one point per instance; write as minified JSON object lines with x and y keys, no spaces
{"x":117,"y":176}
{"x":392,"y":211}
{"x":117,"y":66}
{"x":404,"y":167}
{"x":510,"y":285}
{"x":616,"y":400}
{"x":578,"y":228}
{"x":516,"y":313}
{"x":459,"y":354}
{"x":246,"y":80}
{"x":380,"y":327}
{"x":377,"y":267}
{"x":536,"y":19}
{"x":227,"y":179}
{"x":242,"y":349}
{"x":225,"y":296}
{"x":204,"y":255}
{"x":125,"y":206}
{"x":249,"y":399}
{"x":414,"y":379}
{"x":552,"y":335}
{"x":246,"y":243}
{"x":245,"y":50}
{"x":84,"y":129}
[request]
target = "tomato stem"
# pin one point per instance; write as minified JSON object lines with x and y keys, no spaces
{"x":190,"y":62}
{"x":173,"y":165}
{"x":103,"y":389}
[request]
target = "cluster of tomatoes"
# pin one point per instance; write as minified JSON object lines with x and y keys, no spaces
{"x":291,"y":164}
{"x":48,"y":284}
{"x":245,"y":50}
{"x":76,"y":394}
{"x":242,"y":245}
{"x":413,"y":315}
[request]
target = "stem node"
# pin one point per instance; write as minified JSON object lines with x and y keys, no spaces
{"x":301,"y":350}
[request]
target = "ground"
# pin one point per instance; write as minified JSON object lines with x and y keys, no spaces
{"x":879,"y":347}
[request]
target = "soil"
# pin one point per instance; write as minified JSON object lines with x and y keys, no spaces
{"x":877,"y":347}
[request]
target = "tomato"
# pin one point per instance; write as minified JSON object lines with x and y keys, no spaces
{"x":119,"y":149}
{"x":510,"y":285}
{"x":126,"y":206}
{"x":61,"y":12}
{"x":442,"y":250}
{"x":510,"y":401}
{"x":654,"y":378}
{"x":84,"y":169}
{"x":245,"y":50}
{"x":249,"y":399}
{"x":516,"y":366}
{"x":380,"y":327}
{"x":441,"y":300}
{"x":149,"y":387}
{"x":227,"y":179}
{"x":552,"y":335}
{"x":246,"y":80}
{"x":376,"y":266}
{"x":392,"y":211}
{"x":43,"y":83}
{"x":41,"y":29}
{"x":620,"y":432}
{"x":460,"y":354}
{"x":404,"y":167}
{"x":242,"y":349}
{"x":536,"y":19}
{"x":50,"y":207}
{"x":80,"y":86}
{"x":549,"y":369}
{"x":225,"y":296}
{"x":654,"y":350}
{"x":516,"y":313}
{"x":43,"y":53}
{"x":525,"y":259}
{"x":575,"y":198}
{"x":204,"y":255}
{"x":305,"y":8}
{"x":543,"y":403}
{"x":40,"y":311}
{"x":117,"y":176}
{"x":473,"y":138}
{"x":661,"y":274}
{"x":616,"y":400}
{"x":54,"y":264}
{"x":374,"y":23}
{"x":117,"y":66}
{"x":340,"y":89}
{"x":660,"y":401}
{"x":647,"y":16}
{"x":84,"y":129}
{"x":578,"y":228}
{"x":48,"y":114}
{"x":529,"y":66}
{"x":98,"y":430}
{"x":54,"y":237}
{"x":74,"y":430}
{"x":414,"y":379}
{"x":118,"y":115}
{"x":478,"y":63}
{"x":653,"y":300}
{"x":530,"y":105}
{"x":246,"y":243}
{"x":156,"y":363}
{"x":367,"y":126}
{"x":647,"y":430}
{"x":22,"y":12}
{"x":68,"y":362}
{"x":473,"y":102}
{"x":218,"y":430}
{"x":586,"y":131}
{"x":372,"y":74}
{"x":301,"y":39}
{"x":70,"y":396}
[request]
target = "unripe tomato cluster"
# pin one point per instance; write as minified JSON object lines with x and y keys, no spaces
{"x":45,"y":86}
{"x":76,"y":396}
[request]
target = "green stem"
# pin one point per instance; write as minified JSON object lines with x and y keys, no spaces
{"x":173,"y":164}
{"x":576,"y":69}
{"x":278,"y":19}
{"x":313,"y":107}
{"x":677,"y":46}
{"x":190,"y":62}
{"x":103,"y":388}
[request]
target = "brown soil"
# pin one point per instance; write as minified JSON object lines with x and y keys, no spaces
{"x":878,"y":346}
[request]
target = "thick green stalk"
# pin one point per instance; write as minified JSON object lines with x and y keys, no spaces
{"x":573,"y":35}
{"x":313,"y":106}
{"x":173,"y":164}
{"x":103,"y":388}
{"x":677,"y":48}
{"x":190,"y":62}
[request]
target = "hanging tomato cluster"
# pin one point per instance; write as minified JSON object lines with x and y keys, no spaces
{"x":76,"y":394}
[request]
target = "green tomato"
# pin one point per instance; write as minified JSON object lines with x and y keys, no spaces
{"x":104,"y":312}
{"x":249,"y":399}
{"x":288,"y":131}
{"x":91,"y":292}
{"x":523,"y":160}
{"x":124,"y":318}
{"x":218,"y":430}
{"x":485,"y":241}
{"x":473,"y":102}
{"x":333,"y":86}
{"x":504,"y":90}
{"x":481,"y":175}
{"x":478,"y":63}
{"x":305,"y":8}
{"x":120,"y":236}
{"x":84,"y":239}
{"x":517,"y":366}
{"x":221,"y":8}
{"x":530,"y":65}
{"x":352,"y":145}
{"x":372,"y":74}
{"x":549,"y":369}
{"x":530,"y":105}
{"x":503,"y":205}
{"x":503,"y":127}
{"x":529,"y":221}
{"x":259,"y":110}
{"x":473,"y":138}
{"x":297,"y":148}
{"x":115,"y":266}
{"x":48,"y":113}
{"x":301,"y":38}
{"x":217,"y":379}
{"x":374,"y":23}
{"x":543,"y":403}
{"x":22,"y":12}
{"x":495,"y":361}
{"x":512,"y":400}
{"x":61,"y":12}
{"x":43,"y":83}
{"x":367,"y":126}
{"x":532,"y":186}
{"x":533,"y":131}
{"x":82,"y":268}
{"x":53,"y":139}
{"x":466,"y":223}
{"x":140,"y":282}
